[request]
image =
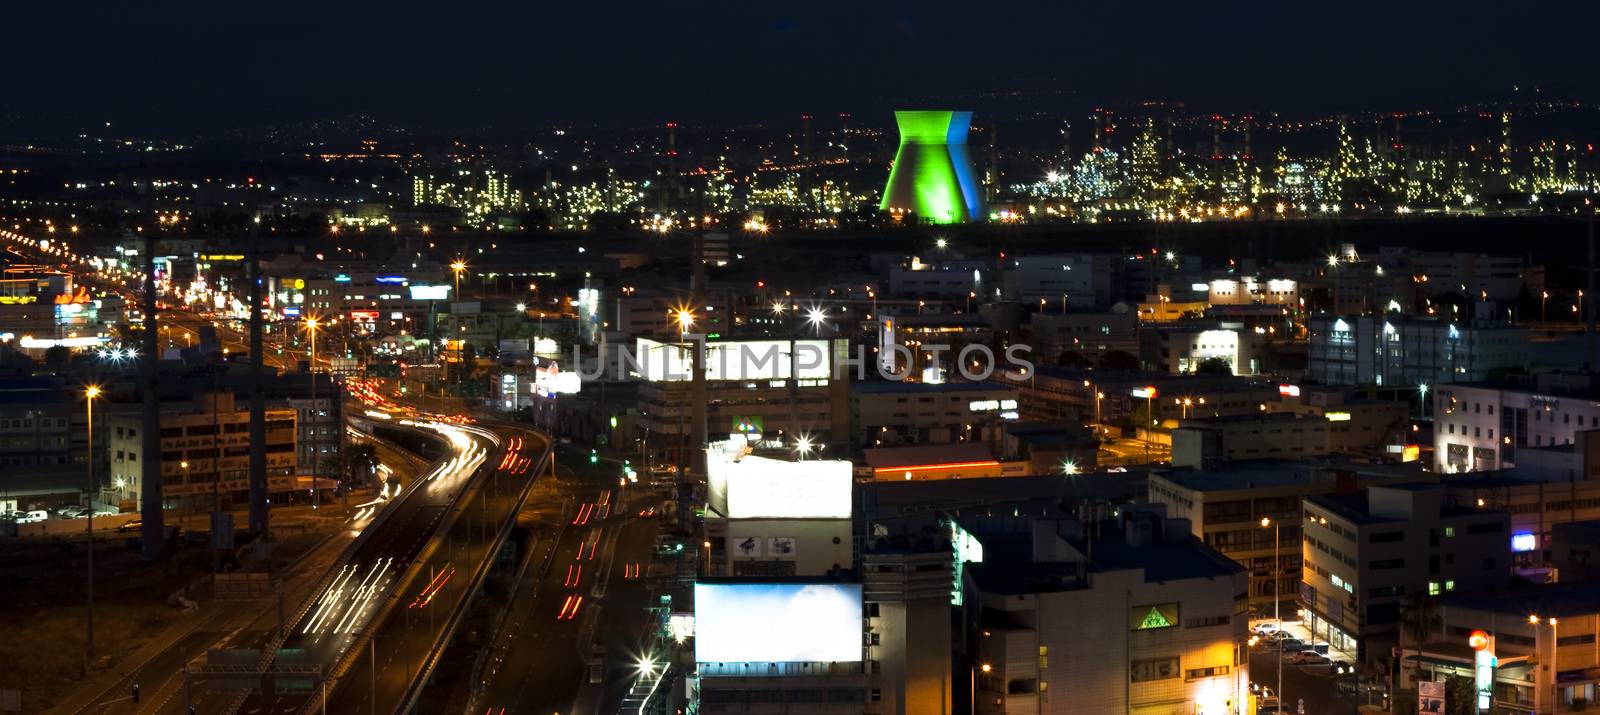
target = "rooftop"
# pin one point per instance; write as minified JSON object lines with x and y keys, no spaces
{"x":1560,"y":600}
{"x":905,"y":387}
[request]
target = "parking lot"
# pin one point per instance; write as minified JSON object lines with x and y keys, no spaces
{"x":1315,"y":679}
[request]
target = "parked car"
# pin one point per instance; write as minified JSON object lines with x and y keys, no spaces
{"x":1307,"y":657}
{"x":134,"y":525}
{"x":1291,"y":645}
{"x":1265,"y":628}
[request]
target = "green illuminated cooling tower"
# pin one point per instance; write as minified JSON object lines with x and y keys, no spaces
{"x":932,"y":175}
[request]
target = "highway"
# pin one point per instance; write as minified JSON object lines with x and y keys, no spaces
{"x":598,"y":548}
{"x":384,"y":605}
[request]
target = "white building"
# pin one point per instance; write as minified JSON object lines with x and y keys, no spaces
{"x":1180,"y":348}
{"x":1248,"y":290}
{"x":1481,"y":426}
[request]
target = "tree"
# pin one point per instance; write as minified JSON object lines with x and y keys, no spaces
{"x":1460,"y":695}
{"x":1214,"y":366}
{"x":1419,"y":619}
{"x":56,"y":356}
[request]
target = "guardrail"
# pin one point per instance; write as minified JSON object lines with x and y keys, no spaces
{"x":270,"y":650}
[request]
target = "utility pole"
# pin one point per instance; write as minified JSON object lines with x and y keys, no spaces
{"x":151,"y":533}
{"x":258,"y":409}
{"x":698,"y":295}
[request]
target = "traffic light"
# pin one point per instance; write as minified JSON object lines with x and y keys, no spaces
{"x":594,"y":457}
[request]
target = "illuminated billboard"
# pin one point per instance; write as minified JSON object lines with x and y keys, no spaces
{"x":430,"y":292}
{"x":1524,"y":541}
{"x":745,"y":486}
{"x":732,"y":360}
{"x":777,"y":622}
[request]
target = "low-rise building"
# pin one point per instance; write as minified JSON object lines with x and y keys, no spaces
{"x":1482,"y":426}
{"x":205,"y":452}
{"x":1213,"y":441}
{"x":1152,"y":622}
{"x":1542,"y":639}
{"x":1362,"y":553}
{"x":887,"y":414}
{"x":1392,"y":350}
{"x":1182,"y":348}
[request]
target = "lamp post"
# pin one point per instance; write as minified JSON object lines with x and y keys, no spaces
{"x":89,"y":393}
{"x":1422,"y":400}
{"x":1276,"y":598}
{"x":972,"y":685}
{"x":458,"y":266}
{"x":316,"y":418}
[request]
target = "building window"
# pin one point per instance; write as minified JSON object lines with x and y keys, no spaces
{"x":1433,"y":588}
{"x":1142,"y":671}
{"x":1199,"y":673}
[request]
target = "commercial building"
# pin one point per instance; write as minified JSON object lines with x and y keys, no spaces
{"x":1212,"y":441}
{"x":932,"y":177}
{"x":887,"y":414}
{"x":787,"y":632}
{"x":1248,"y":290}
{"x":1481,"y":426}
{"x":748,"y":393}
{"x":1181,"y":348}
{"x":1362,"y":553}
{"x":1543,"y":639}
{"x":952,"y":280}
{"x":1393,"y":351}
{"x":776,"y":518}
{"x":1087,"y":335}
{"x":1152,"y":622}
{"x":205,"y":450}
{"x":1225,"y":507}
{"x":1082,"y":279}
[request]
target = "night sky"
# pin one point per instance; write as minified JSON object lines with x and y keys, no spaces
{"x":182,"y":65}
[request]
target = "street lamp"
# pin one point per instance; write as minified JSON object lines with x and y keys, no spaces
{"x":458,"y":266}
{"x":1277,"y":579}
{"x":311,"y":327}
{"x":802,"y":446}
{"x":1422,"y":400}
{"x":816,"y":316}
{"x":89,"y":394}
{"x":1069,"y":467}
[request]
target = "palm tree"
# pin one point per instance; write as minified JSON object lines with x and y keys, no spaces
{"x":1419,"y":619}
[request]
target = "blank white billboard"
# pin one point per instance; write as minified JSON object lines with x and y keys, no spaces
{"x":744,"y":486}
{"x":777,"y":622}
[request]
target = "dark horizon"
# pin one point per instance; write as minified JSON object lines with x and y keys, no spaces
{"x":191,"y":67}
